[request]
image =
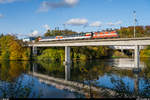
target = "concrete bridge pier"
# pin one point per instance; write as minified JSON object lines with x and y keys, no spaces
{"x":34,"y":51}
{"x":67,"y":55}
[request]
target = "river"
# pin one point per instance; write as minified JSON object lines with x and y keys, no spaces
{"x":101,"y":78}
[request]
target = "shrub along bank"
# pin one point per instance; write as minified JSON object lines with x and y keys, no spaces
{"x":77,"y":53}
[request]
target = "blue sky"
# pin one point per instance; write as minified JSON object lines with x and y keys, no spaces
{"x":36,"y":16}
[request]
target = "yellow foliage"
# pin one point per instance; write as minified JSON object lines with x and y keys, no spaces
{"x":145,"y":53}
{"x":16,"y":51}
{"x":12,"y":49}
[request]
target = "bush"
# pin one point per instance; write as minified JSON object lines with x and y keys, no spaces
{"x":52,"y":55}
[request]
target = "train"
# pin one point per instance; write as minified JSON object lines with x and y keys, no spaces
{"x":81,"y":36}
{"x":29,"y":39}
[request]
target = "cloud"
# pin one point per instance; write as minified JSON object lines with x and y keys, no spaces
{"x":1,"y":16}
{"x":77,"y":21}
{"x":96,"y":24}
{"x":7,"y":1}
{"x":34,"y":33}
{"x":46,"y":5}
{"x":10,"y":1}
{"x":110,"y":24}
{"x":71,"y":2}
{"x":114,"y":24}
{"x":118,"y":22}
{"x":46,"y":26}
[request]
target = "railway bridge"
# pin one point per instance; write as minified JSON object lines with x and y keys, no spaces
{"x":134,"y":42}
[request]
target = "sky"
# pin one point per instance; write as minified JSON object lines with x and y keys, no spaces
{"x":35,"y":17}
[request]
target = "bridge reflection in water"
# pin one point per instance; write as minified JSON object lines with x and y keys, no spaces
{"x":126,"y":63}
{"x":80,"y":87}
{"x":66,"y":84}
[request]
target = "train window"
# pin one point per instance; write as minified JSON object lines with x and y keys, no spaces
{"x":76,"y":34}
{"x":83,"y":34}
{"x":80,"y":34}
{"x":73,"y":35}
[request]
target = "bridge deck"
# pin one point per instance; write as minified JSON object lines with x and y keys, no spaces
{"x":96,"y":42}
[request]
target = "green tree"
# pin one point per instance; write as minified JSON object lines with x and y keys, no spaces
{"x":58,"y":32}
{"x":52,"y":55}
{"x":1,"y":35}
{"x":48,"y":33}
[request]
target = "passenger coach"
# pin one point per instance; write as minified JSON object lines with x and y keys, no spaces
{"x":79,"y":36}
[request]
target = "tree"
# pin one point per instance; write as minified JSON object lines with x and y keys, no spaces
{"x":48,"y":33}
{"x":1,"y":35}
{"x":13,"y":49}
{"x":147,"y":30}
{"x":58,"y":32}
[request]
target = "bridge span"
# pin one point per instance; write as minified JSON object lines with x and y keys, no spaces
{"x":136,"y":42}
{"x":143,"y":41}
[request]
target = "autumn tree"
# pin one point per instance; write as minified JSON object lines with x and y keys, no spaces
{"x":13,"y":49}
{"x":147,"y":30}
{"x":128,"y":32}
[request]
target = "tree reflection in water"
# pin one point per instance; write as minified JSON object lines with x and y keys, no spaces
{"x":15,"y":89}
{"x":91,"y":71}
{"x":11,"y":80}
{"x":141,"y":87}
{"x":84,"y":73}
{"x":145,"y":74}
{"x":12,"y":76}
{"x":146,"y":89}
{"x":122,"y":89}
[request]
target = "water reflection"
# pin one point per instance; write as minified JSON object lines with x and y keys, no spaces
{"x":10,"y":85}
{"x":15,"y":82}
{"x":9,"y":71}
{"x":67,"y":71}
{"x":126,"y":63}
{"x":90,"y":79}
{"x":125,"y":82}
